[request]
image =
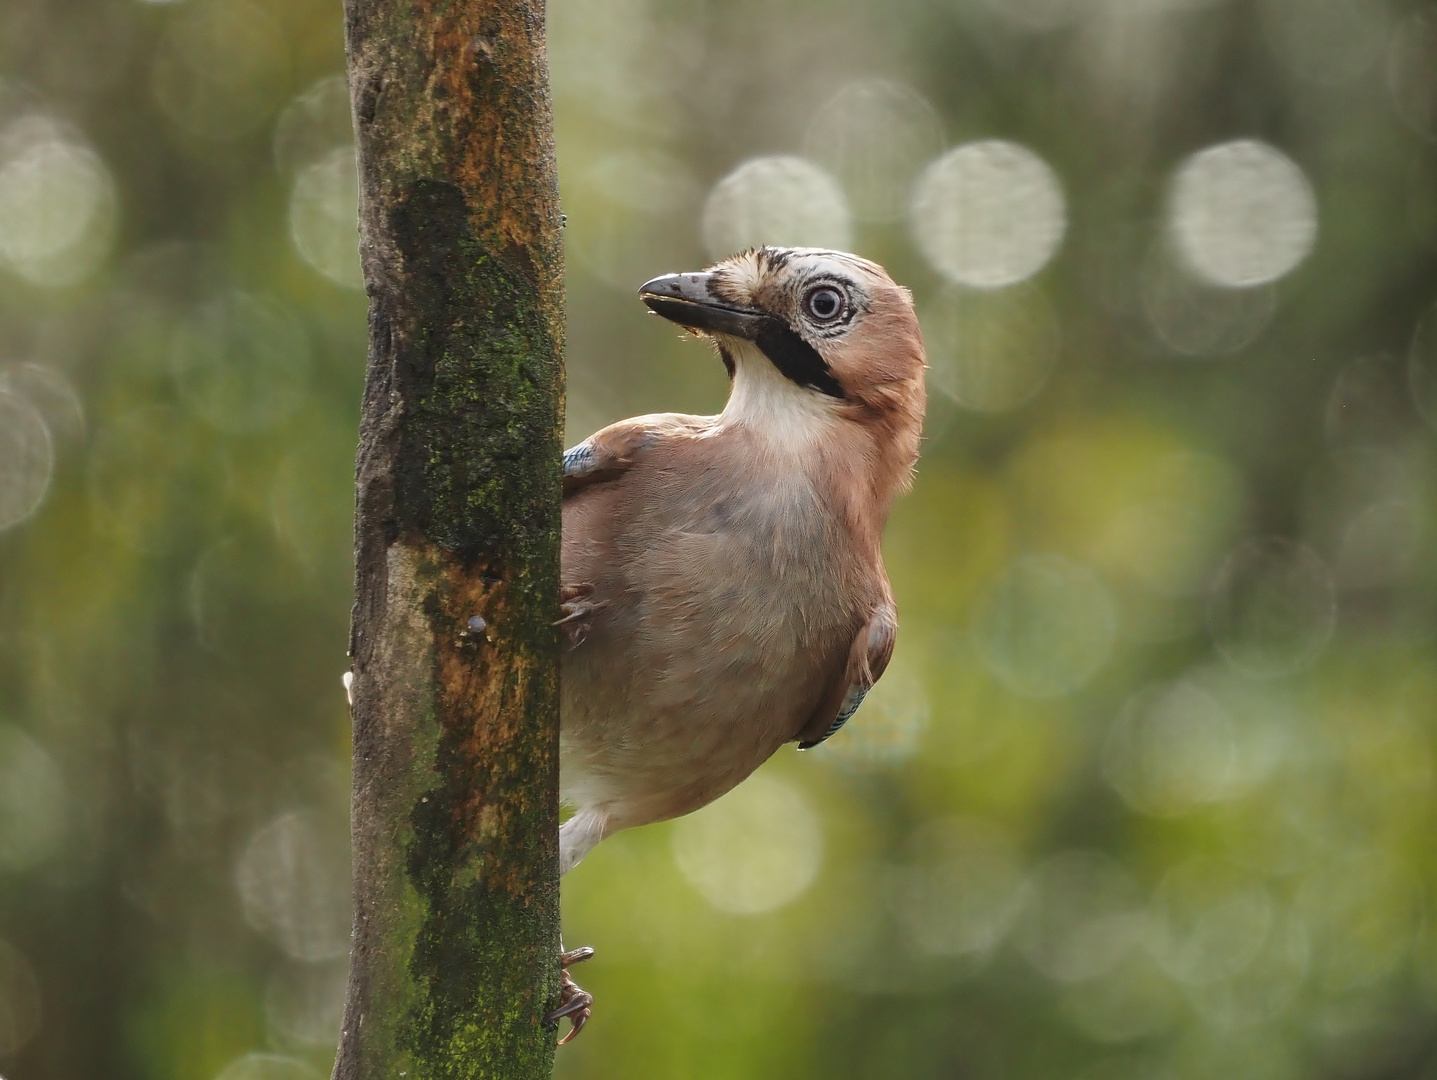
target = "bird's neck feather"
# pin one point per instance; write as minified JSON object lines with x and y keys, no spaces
{"x":789,"y":420}
{"x":799,"y":429}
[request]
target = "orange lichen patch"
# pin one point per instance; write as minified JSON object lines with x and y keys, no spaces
{"x":476,"y":103}
{"x":487,"y":706}
{"x":456,"y":728}
{"x":480,"y":851}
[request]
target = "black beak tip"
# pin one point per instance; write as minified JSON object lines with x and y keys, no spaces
{"x":667,"y":285}
{"x":689,"y":300}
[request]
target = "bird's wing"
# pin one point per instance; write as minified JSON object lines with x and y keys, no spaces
{"x":611,"y":450}
{"x":867,"y":659}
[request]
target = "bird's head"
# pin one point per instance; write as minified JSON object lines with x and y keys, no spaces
{"x":815,"y":341}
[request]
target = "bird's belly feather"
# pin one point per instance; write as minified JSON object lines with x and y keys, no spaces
{"x":720,"y":630}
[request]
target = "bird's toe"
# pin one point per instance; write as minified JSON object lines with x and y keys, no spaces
{"x":575,"y":956}
{"x":576,"y":607}
{"x":575,"y":1002}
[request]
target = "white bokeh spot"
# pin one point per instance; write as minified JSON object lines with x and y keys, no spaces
{"x":294,"y":883}
{"x":1273,"y":607}
{"x":57,"y":205}
{"x":27,"y":459}
{"x":33,"y":801}
{"x":756,"y":849}
{"x":784,"y":201}
{"x":324,"y":217}
{"x":991,"y":350}
{"x":1047,"y":627}
{"x":1241,"y":213}
{"x":875,"y":135}
{"x":989,"y":214}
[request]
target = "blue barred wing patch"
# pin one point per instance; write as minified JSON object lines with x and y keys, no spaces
{"x":851,"y":701}
{"x":579,"y":460}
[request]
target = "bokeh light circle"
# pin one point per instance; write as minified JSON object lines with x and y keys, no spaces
{"x":1177,"y":526}
{"x":1211,"y":921}
{"x":756,"y":849}
{"x":891,"y":722}
{"x":875,"y":135}
{"x":1047,"y":627}
{"x":304,"y":1003}
{"x":294,"y":882}
{"x":785,"y":201}
{"x":1412,"y":71}
{"x":988,"y":214}
{"x":1367,"y":407}
{"x":991,"y":351}
{"x":1329,"y":42}
{"x":128,"y":503}
{"x":1081,"y":916}
{"x":1133,"y":1000}
{"x":1171,"y":750}
{"x":959,"y":893}
{"x":1380,"y":544}
{"x":33,"y":801}
{"x":1241,"y":213}
{"x":1193,"y":317}
{"x":221,"y":69}
{"x":324,"y":217}
{"x":1264,"y":988}
{"x":241,"y":361}
{"x":314,"y":125}
{"x":236,"y":586}
{"x":1273,"y":607}
{"x":57,"y":207}
{"x":624,"y":215}
{"x":27,"y":459}
{"x":1363,"y":908}
{"x":52,"y":394}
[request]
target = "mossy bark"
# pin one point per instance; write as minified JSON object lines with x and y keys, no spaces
{"x":455,"y":814}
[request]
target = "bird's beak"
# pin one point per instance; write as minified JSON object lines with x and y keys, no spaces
{"x":689,"y":300}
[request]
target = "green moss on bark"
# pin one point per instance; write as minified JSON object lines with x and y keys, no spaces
{"x":482,"y":390}
{"x":456,"y":738}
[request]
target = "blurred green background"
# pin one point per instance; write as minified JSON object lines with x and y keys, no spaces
{"x":1148,"y":792}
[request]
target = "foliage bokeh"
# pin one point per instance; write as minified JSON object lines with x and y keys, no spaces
{"x":1148,"y":791}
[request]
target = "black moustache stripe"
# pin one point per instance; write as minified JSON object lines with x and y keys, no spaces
{"x":726,"y":357}
{"x":798,"y":361}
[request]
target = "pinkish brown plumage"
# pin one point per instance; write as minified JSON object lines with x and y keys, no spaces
{"x":723,"y":581}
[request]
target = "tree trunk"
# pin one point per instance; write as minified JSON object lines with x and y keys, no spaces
{"x":455,"y":696}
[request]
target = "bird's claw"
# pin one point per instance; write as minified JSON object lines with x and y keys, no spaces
{"x":577,"y":606}
{"x":574,"y":1001}
{"x":575,"y":956}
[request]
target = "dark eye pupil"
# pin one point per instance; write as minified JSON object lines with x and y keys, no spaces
{"x":824,"y":303}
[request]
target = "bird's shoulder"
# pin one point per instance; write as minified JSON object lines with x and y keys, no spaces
{"x":867,"y":659}
{"x":613,"y":450}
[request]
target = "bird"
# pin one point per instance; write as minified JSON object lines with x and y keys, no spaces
{"x":723,"y":590}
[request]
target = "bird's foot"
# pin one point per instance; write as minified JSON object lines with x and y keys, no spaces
{"x":574,"y":1001}
{"x":577,"y":604}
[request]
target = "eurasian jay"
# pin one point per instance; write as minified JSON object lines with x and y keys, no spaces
{"x":723,"y":585}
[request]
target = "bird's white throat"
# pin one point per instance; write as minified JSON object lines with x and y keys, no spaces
{"x":790,"y":418}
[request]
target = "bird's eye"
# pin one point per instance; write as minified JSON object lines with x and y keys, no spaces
{"x":824,"y":303}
